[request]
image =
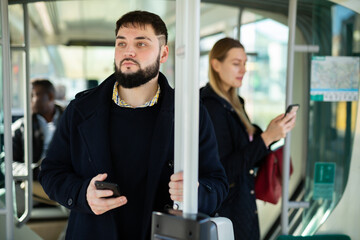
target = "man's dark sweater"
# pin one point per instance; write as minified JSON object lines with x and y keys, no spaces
{"x":132,"y":152}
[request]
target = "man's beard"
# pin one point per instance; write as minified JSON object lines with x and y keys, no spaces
{"x":138,"y":78}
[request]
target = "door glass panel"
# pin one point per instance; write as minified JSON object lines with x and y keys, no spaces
{"x":0,"y":25}
{"x":331,"y":123}
{"x":16,"y":23}
{"x":17,"y":85}
{"x":265,"y":42}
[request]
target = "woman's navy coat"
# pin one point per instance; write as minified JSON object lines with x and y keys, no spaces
{"x":80,"y":150}
{"x":239,"y":156}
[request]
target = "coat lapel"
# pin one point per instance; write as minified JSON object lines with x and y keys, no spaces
{"x":94,"y":129}
{"x":95,"y":134}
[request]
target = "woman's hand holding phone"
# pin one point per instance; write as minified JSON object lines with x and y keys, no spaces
{"x":292,"y":108}
{"x":280,"y":126}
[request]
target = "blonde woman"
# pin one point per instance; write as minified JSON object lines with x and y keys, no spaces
{"x":241,"y":144}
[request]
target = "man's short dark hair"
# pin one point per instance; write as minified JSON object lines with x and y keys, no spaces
{"x":142,"y":18}
{"x":45,"y":84}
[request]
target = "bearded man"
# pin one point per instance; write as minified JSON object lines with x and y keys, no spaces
{"x":123,"y":132}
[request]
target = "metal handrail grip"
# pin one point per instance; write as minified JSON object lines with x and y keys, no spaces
{"x":28,"y":149}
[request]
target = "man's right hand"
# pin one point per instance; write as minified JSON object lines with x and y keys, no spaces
{"x":96,"y":198}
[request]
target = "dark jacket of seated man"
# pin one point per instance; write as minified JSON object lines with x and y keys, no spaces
{"x":81,"y":149}
{"x":38,"y":137}
{"x":45,"y":117}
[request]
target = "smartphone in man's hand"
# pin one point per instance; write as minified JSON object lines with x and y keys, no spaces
{"x":101,"y":185}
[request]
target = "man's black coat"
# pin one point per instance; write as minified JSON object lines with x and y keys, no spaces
{"x":80,"y":150}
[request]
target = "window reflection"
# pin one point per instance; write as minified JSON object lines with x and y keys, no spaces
{"x":264,"y":86}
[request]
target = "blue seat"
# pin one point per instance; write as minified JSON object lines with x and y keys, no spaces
{"x":315,"y":237}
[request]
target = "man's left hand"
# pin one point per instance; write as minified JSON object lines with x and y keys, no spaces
{"x":176,"y":186}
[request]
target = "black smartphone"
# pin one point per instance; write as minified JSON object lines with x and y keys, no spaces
{"x":292,"y":108}
{"x":101,"y":185}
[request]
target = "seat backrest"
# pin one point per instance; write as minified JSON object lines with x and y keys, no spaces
{"x":224,"y":228}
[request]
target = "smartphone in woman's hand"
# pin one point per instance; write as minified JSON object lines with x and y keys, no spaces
{"x":292,"y":108}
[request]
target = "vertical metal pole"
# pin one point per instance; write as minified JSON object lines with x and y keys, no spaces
{"x":241,"y":10}
{"x":180,"y":69}
{"x":27,"y":103}
{"x":28,"y":143}
{"x":6,"y":65}
{"x":187,"y":99}
{"x":289,"y":96}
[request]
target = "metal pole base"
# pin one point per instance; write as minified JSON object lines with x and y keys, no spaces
{"x":173,"y":225}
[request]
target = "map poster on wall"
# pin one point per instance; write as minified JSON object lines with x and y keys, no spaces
{"x":334,"y":79}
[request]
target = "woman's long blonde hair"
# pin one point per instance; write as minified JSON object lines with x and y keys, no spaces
{"x":219,"y":52}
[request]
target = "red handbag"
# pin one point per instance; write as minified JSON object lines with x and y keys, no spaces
{"x":268,"y":178}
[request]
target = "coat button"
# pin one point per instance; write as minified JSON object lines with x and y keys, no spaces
{"x":251,"y":171}
{"x":252,"y":192}
{"x":171,"y":164}
{"x":70,"y":201}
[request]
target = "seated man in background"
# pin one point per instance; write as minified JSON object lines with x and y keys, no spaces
{"x":45,"y":116}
